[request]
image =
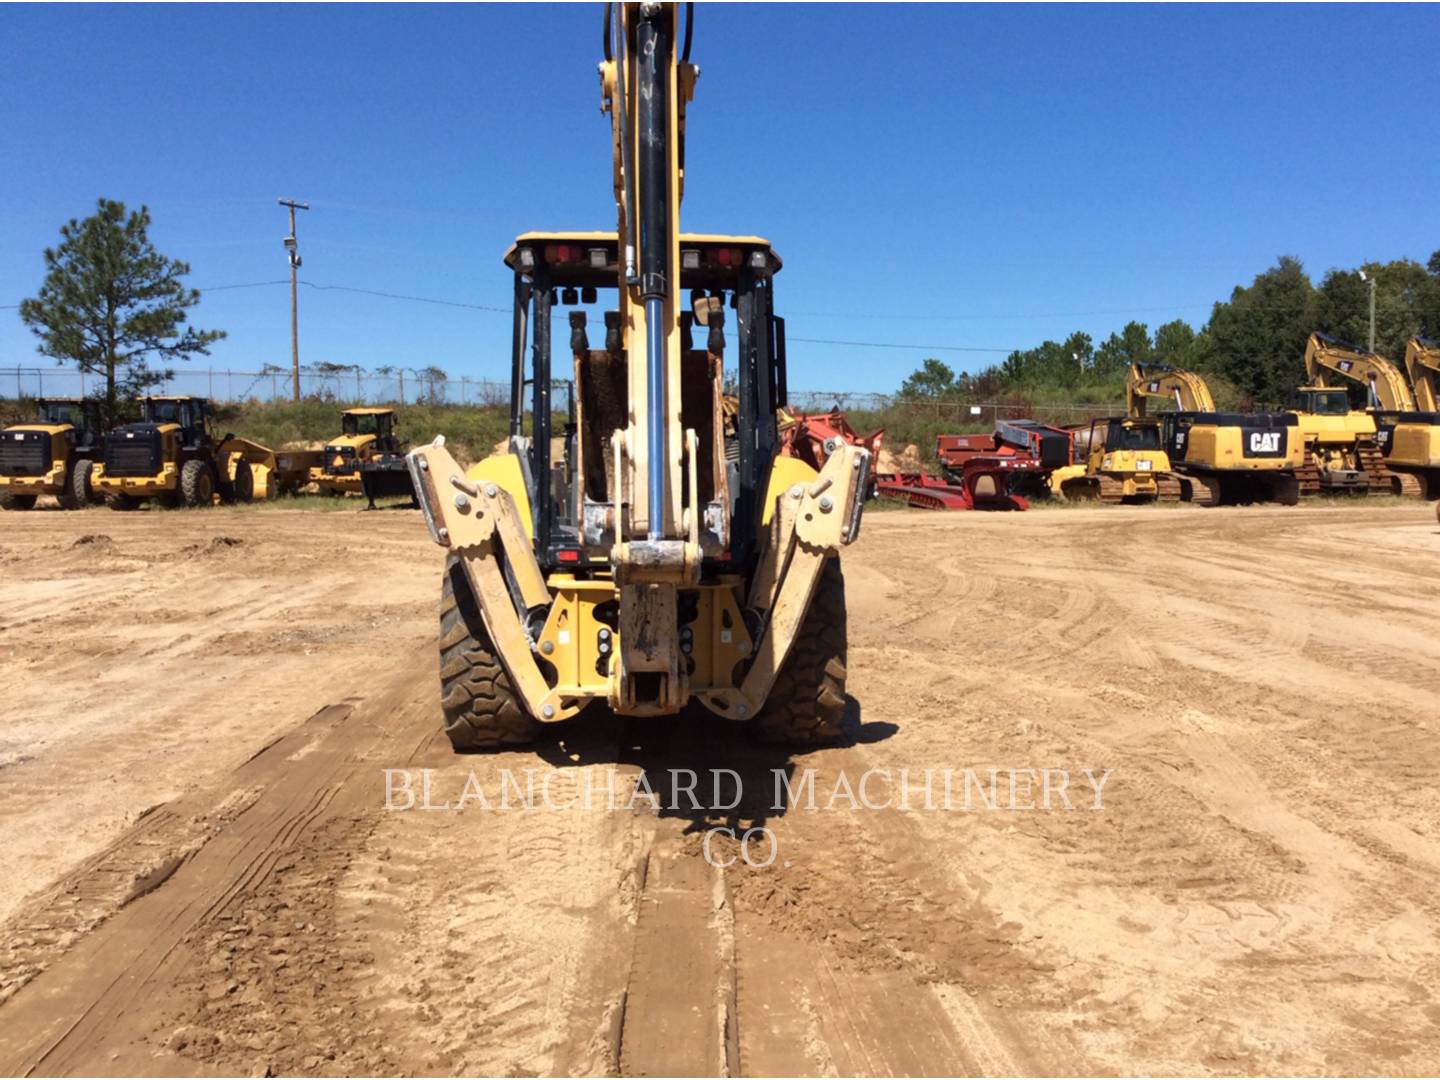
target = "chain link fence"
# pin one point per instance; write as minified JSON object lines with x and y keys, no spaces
{"x":418,"y":387}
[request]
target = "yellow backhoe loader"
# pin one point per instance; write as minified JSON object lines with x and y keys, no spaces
{"x":1343,"y":445}
{"x":653,"y":564}
{"x":173,"y":456}
{"x":1220,"y":457}
{"x":52,"y":456}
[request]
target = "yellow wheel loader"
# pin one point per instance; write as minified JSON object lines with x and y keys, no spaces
{"x":367,"y":436}
{"x":52,"y":456}
{"x":1120,"y":459}
{"x":1343,"y":445}
{"x":1219,"y":457}
{"x":642,"y":558}
{"x":172,"y":456}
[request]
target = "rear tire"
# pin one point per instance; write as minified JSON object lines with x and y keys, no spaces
{"x":197,"y":483}
{"x":806,"y":705}
{"x":244,"y":482}
{"x":79,"y":492}
{"x":10,"y":501}
{"x":482,"y":709}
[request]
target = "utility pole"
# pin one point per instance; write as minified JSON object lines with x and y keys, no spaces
{"x":1370,"y":280}
{"x":294,"y":252}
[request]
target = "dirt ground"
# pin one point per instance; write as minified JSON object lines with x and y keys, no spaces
{"x":200,"y":874}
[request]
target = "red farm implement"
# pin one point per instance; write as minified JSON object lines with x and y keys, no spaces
{"x":813,"y":437}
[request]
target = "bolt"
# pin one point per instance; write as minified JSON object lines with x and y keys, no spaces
{"x":444,"y":533}
{"x":547,"y":711}
{"x":604,"y":647}
{"x":461,"y":502}
{"x":547,"y":647}
{"x":490,"y":490}
{"x":741,"y":710}
{"x":424,"y":464}
{"x":826,"y":504}
{"x":796,"y":491}
{"x":856,"y":463}
{"x":604,"y":633}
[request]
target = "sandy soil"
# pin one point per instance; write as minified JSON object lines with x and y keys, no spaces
{"x":200,"y":874}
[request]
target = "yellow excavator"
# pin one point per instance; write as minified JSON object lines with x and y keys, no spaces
{"x":1220,"y":457}
{"x":645,"y":560}
{"x":1422,"y":364}
{"x":1345,"y":448}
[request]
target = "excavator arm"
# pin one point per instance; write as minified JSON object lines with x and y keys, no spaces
{"x":1186,"y":390}
{"x":1385,"y":386}
{"x":1422,"y":363}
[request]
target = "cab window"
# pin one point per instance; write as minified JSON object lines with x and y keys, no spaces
{"x":1120,"y":437}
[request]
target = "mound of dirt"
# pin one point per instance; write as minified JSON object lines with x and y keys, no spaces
{"x":216,"y":544}
{"x":93,"y":538}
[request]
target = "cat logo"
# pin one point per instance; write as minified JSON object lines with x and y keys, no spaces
{"x":1265,"y":442}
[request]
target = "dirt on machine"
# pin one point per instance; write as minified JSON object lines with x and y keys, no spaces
{"x":173,"y":457}
{"x":54,"y":455}
{"x":645,"y":559}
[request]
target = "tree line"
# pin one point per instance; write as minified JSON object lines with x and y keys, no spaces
{"x":1254,"y":342}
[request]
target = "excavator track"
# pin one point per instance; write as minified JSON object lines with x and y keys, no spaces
{"x":1383,"y":481}
{"x":1308,"y":477}
{"x":1168,"y":488}
{"x":1201,"y":490}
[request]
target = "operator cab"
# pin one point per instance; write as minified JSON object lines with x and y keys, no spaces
{"x":57,"y":411}
{"x":1130,"y":435}
{"x":727,"y":323}
{"x":190,"y":414}
{"x":1319,"y":401}
{"x":377,"y":422}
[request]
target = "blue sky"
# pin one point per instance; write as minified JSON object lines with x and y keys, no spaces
{"x":984,"y":177}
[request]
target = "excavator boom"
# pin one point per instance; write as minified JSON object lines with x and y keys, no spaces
{"x":1385,"y":386}
{"x":1422,"y":363}
{"x":1185,"y":390}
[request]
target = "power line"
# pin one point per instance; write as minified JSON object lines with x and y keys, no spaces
{"x":402,"y":296}
{"x":896,"y":345}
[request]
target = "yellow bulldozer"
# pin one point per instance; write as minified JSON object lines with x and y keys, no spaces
{"x":54,"y":455}
{"x":173,"y":457}
{"x":1119,"y":459}
{"x":1343,"y":451}
{"x":1220,"y":457}
{"x":644,"y":560}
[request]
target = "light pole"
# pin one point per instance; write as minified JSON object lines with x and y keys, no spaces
{"x":1369,"y":280}
{"x":293,"y":250}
